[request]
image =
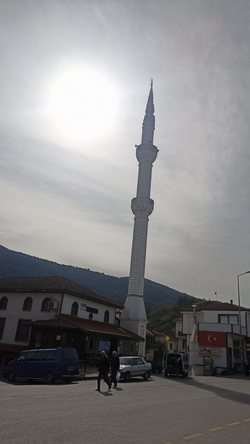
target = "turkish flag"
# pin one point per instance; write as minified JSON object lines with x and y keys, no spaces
{"x":212,"y":339}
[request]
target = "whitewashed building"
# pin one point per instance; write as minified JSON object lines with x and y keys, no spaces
{"x":44,"y":312}
{"x":181,"y":338}
{"x":213,"y":331}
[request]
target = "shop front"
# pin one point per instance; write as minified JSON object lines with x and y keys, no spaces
{"x":89,"y":338}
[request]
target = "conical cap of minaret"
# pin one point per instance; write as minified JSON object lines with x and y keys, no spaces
{"x":150,"y":104}
{"x":149,"y":119}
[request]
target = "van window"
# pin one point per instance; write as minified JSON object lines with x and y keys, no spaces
{"x":50,"y":355}
{"x":34,"y":356}
{"x":70,"y":354}
{"x":22,"y":357}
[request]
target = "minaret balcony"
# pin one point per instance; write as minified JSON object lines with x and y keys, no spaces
{"x":142,"y":206}
{"x":146,"y":153}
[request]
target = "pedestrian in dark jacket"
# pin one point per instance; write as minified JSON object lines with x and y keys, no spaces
{"x":103,"y":371}
{"x":246,"y":367}
{"x":115,"y":367}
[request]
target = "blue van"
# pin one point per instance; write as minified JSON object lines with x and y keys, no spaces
{"x":49,"y":364}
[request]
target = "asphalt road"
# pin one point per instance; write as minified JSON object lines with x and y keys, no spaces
{"x":159,"y":411}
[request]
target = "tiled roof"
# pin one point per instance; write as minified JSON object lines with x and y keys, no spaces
{"x":152,"y":332}
{"x":177,"y":319}
{"x":52,"y":284}
{"x":73,"y":322}
{"x":220,"y":306}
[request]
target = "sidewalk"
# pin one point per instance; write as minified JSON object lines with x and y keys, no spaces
{"x":236,"y":376}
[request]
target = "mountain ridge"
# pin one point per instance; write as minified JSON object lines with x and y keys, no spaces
{"x":13,"y":263}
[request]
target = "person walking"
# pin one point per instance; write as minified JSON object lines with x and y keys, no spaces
{"x":115,"y":367}
{"x":103,"y":371}
{"x":246,"y":367}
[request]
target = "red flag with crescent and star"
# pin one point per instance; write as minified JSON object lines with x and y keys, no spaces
{"x":212,"y":339}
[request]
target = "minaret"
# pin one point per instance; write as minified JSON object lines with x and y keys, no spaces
{"x":134,"y":316}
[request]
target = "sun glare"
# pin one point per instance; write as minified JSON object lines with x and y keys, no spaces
{"x":81,"y":104}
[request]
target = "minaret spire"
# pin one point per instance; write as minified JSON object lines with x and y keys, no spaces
{"x":134,"y":316}
{"x":148,"y":125}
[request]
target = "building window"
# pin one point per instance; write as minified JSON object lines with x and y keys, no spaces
{"x":23,"y":331}
{"x":228,"y":319}
{"x":3,"y":303}
{"x":74,"y":309}
{"x":170,"y":346}
{"x":233,"y":319}
{"x":106,"y":316}
{"x":27,"y":305}
{"x":90,"y":316}
{"x":2,"y":325}
{"x":45,"y":304}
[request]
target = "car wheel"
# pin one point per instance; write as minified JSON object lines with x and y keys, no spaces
{"x":67,"y":380}
{"x":127,"y":377}
{"x":11,"y":376}
{"x":146,"y":376}
{"x":50,"y":378}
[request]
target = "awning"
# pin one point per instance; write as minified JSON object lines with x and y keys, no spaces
{"x":95,"y":327}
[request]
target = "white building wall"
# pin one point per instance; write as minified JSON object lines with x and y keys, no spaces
{"x":68,"y":300}
{"x":213,"y":316}
{"x":14,"y":312}
{"x":188,"y":321}
{"x":178,"y":327}
{"x":180,"y":338}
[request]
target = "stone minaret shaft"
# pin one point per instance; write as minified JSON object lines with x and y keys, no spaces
{"x":142,"y":206}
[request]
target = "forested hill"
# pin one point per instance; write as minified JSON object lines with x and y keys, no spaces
{"x":162,"y":318}
{"x":13,"y":263}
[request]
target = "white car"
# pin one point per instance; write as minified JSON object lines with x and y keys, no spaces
{"x":134,"y":366}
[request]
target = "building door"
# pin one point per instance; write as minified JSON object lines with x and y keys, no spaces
{"x":113,"y":345}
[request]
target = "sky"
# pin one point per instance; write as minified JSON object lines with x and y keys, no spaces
{"x":74,"y":81}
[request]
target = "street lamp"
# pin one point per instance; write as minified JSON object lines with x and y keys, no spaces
{"x":241,"y":348}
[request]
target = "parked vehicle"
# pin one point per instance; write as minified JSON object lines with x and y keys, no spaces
{"x":175,"y":364}
{"x":134,"y":366}
{"x":48,"y":364}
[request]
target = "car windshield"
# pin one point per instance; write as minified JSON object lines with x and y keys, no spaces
{"x":125,"y":361}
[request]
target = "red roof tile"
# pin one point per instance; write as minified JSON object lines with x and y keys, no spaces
{"x":220,"y":306}
{"x":73,"y":322}
{"x":52,"y":284}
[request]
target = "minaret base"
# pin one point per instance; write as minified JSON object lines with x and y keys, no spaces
{"x":134,"y":319}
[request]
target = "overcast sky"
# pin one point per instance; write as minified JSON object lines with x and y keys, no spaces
{"x":75,"y":77}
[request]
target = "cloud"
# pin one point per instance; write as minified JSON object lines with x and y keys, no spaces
{"x":72,"y":203}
